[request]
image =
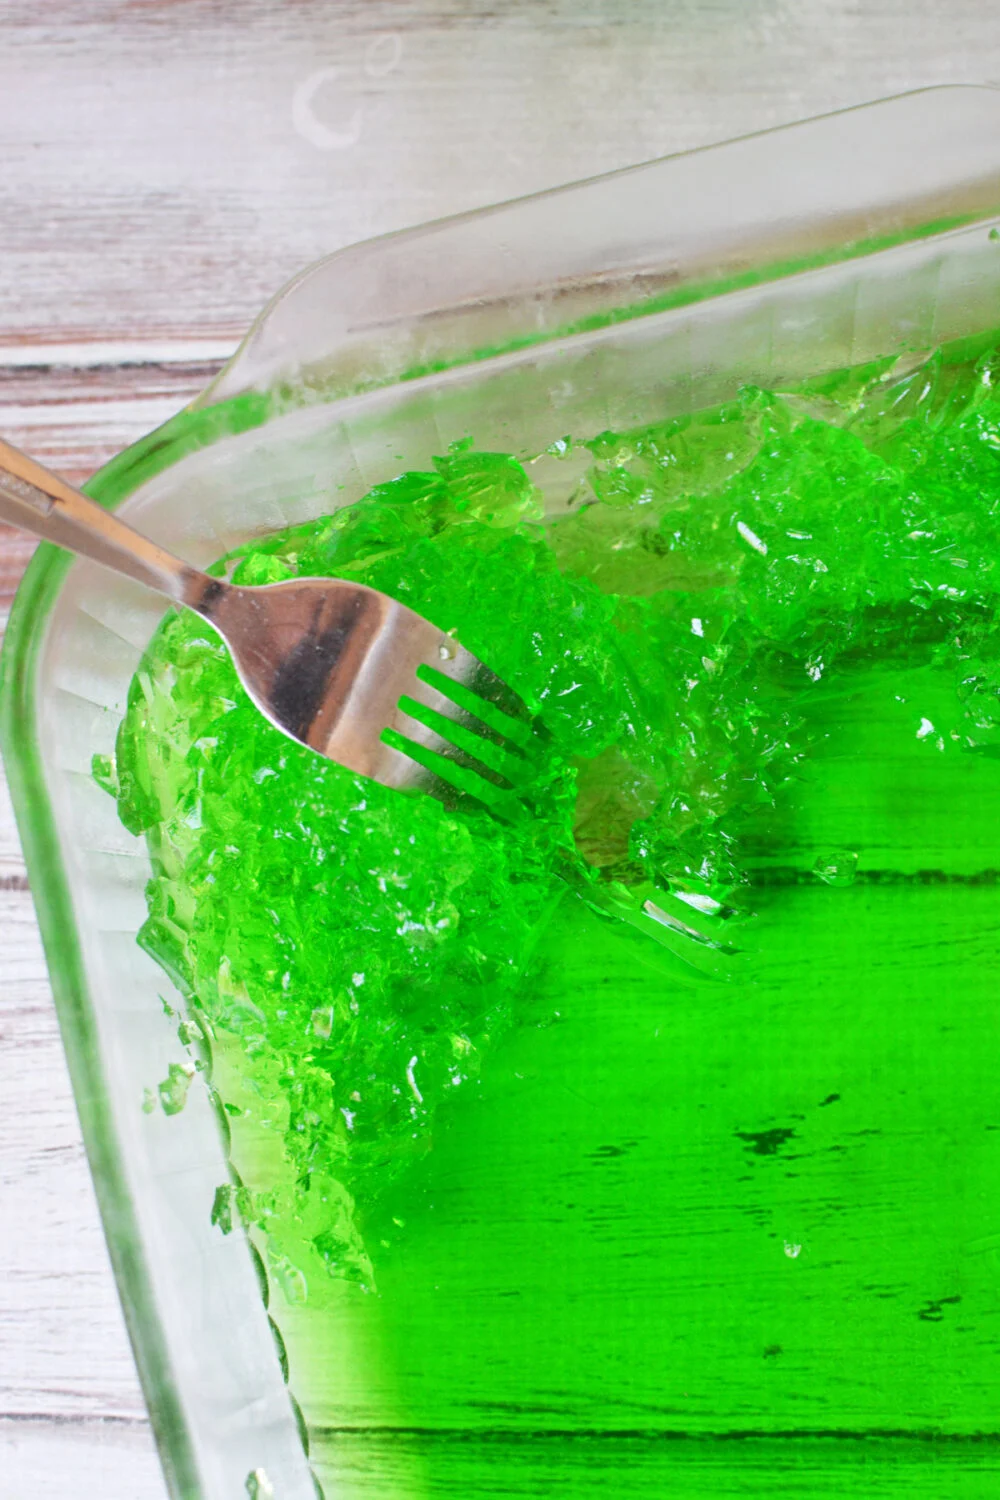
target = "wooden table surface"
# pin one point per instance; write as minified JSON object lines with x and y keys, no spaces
{"x":165,"y":165}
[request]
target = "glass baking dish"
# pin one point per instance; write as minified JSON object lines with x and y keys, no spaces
{"x":603,"y":305}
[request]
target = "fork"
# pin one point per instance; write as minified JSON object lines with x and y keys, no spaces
{"x":357,"y":677}
{"x":340,"y":667}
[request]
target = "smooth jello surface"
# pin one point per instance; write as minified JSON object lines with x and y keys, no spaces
{"x":536,"y":1193}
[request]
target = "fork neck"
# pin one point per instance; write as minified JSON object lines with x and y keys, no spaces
{"x":38,"y":501}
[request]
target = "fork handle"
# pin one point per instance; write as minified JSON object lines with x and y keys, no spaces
{"x":36,"y":500}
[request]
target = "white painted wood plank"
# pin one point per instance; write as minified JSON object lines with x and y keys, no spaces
{"x":62,"y":1460}
{"x":55,"y":1285}
{"x":169,"y":165}
{"x":77,"y":416}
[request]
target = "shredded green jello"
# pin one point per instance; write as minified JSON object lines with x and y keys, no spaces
{"x":351,"y":957}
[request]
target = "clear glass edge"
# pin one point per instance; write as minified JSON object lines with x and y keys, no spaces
{"x":233,"y":382}
{"x":54,"y":909}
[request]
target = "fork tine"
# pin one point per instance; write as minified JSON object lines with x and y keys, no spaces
{"x":456,"y":777}
{"x":468,"y":668}
{"x":487,"y":753}
{"x":485,"y":697}
{"x":427,"y":694}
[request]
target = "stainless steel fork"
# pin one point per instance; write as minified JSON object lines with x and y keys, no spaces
{"x":337,"y":666}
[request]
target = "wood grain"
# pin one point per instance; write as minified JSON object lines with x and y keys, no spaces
{"x":168,"y":164}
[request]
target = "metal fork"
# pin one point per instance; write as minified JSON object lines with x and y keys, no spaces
{"x":339,"y":667}
{"x":357,"y":677}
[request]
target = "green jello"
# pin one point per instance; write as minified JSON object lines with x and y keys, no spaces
{"x":537,"y":1192}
